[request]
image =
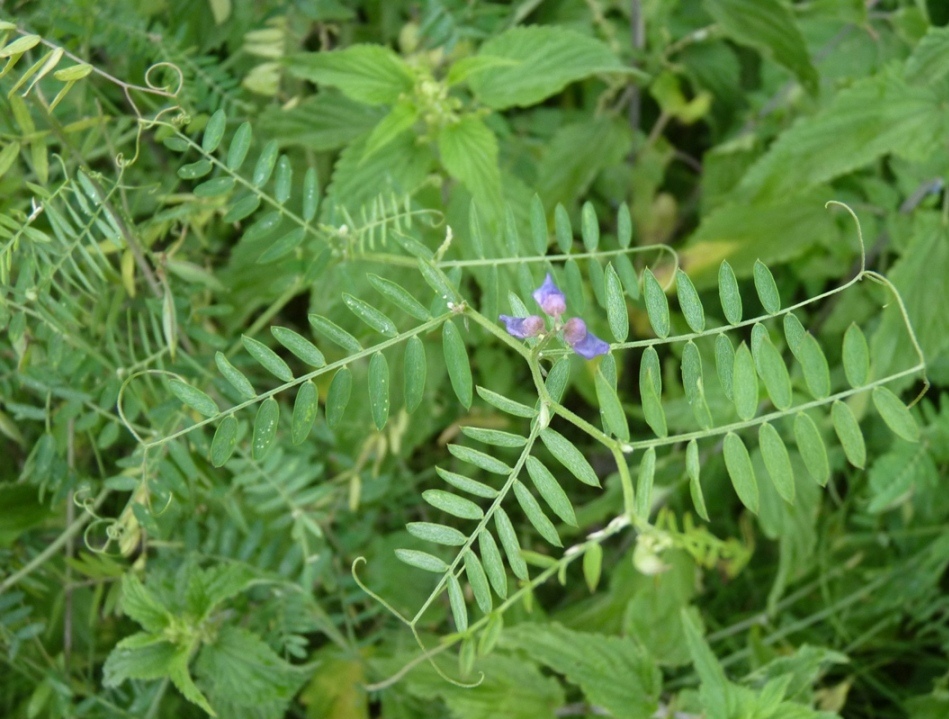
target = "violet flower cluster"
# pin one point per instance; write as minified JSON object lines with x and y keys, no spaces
{"x":554,"y":303}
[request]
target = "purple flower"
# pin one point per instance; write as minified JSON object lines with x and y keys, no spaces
{"x":523,"y":327}
{"x":586,"y":344}
{"x":551,"y":300}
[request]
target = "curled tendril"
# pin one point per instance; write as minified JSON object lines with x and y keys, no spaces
{"x":87,"y":539}
{"x":152,"y":85}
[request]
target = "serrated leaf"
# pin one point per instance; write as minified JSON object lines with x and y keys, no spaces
{"x":372,"y":74}
{"x":535,"y":515}
{"x":466,"y":484}
{"x":267,"y":358}
{"x":657,"y":305}
{"x":224,"y":442}
{"x":305,"y":408}
{"x":337,"y":397}
{"x":741,"y":471}
{"x":493,"y":564}
{"x":421,"y":560}
{"x":214,"y":132}
{"x":494,"y":437}
{"x":299,"y":345}
{"x":469,"y":152}
{"x":849,"y":433}
{"x":777,"y":461}
{"x":856,"y":356}
{"x":335,"y":333}
{"x":644,"y":482}
{"x":653,"y":413}
{"x":616,"y":311}
{"x":265,"y":428}
{"x":611,"y":407}
{"x":693,"y":469}
{"x":767,"y":288}
{"x":896,"y":414}
{"x":194,"y":398}
{"x":379,"y":389}
{"x":370,"y":315}
{"x":479,"y":459}
{"x":774,"y":373}
{"x":478,"y":581}
{"x":504,"y":404}
{"x":729,"y":294}
{"x":240,"y":144}
{"x":457,"y":363}
{"x":811,"y":446}
{"x":745,"y":383}
{"x":569,"y":456}
{"x":689,"y":302}
{"x":548,"y":488}
{"x":399,"y":296}
{"x":234,"y":376}
{"x":436,"y":533}
{"x":415,"y":368}
{"x":593,"y":566}
{"x":814,"y":364}
{"x":512,"y":548}
{"x":452,"y":504}
{"x":589,"y":227}
{"x":456,"y":600}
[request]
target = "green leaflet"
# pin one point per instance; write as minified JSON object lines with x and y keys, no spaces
{"x":475,"y":230}
{"x":649,"y":365}
{"x":335,"y":333}
{"x":195,"y":170}
{"x":370,"y":315}
{"x":814,"y":364}
{"x":194,"y":398}
{"x":794,"y":333}
{"x":493,"y":564}
{"x":512,"y":549}
{"x":436,"y":533}
{"x":337,"y":398}
{"x":494,"y":437}
{"x":653,"y":413}
{"x":452,"y":504}
{"x":657,"y":305}
{"x":466,"y":484}
{"x":282,"y":246}
{"x":616,"y":311}
{"x":299,"y":345}
{"x":283,"y":183}
{"x":311,"y":194}
{"x":213,"y":188}
{"x":767,"y":288}
{"x":224,"y":442}
{"x":415,"y":368}
{"x":234,"y":376}
{"x":265,"y":428}
{"x":725,"y":363}
{"x":562,"y":229}
{"x":557,"y":379}
{"x":590,"y":228}
{"x":597,"y":280}
{"x":741,"y":471}
{"x":399,"y":296}
{"x":305,"y":409}
{"x":644,"y":482}
{"x":745,"y":384}
{"x":693,"y":469}
{"x":774,"y":374}
{"x":729,"y":293}
{"x":535,"y":514}
{"x":548,"y":488}
{"x":504,"y":404}
{"x":811,"y":446}
{"x":574,"y":286}
{"x":457,"y":363}
{"x":896,"y":415}
{"x":849,"y":434}
{"x":777,"y":461}
{"x":456,"y":599}
{"x":241,"y":209}
{"x":693,"y":382}
{"x":379,"y":390}
{"x":593,"y":566}
{"x":569,"y":456}
{"x":856,"y":356}
{"x":478,"y":581}
{"x":627,"y":273}
{"x":538,"y":218}
{"x":611,"y":407}
{"x":240,"y":144}
{"x":624,"y":226}
{"x":491,"y":634}
{"x":214,"y":132}
{"x":689,"y":302}
{"x":421,"y":560}
{"x":267,"y":358}
{"x":479,"y":459}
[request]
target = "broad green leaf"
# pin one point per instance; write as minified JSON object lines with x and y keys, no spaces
{"x":214,"y":132}
{"x":644,"y":482}
{"x":593,"y":566}
{"x":240,"y":144}
{"x":767,"y":26}
{"x":337,"y":397}
{"x":689,"y":302}
{"x":512,"y":548}
{"x":767,"y":288}
{"x":456,"y":599}
{"x":139,"y":656}
{"x":400,"y":119}
{"x":399,"y":296}
{"x":611,"y":407}
{"x":265,"y":428}
{"x":814,"y":364}
{"x":478,"y":581}
{"x":624,"y":226}
{"x":466,"y":484}
{"x":562,"y":229}
{"x":657,"y":305}
{"x":379,"y":389}
{"x":504,"y":404}
{"x":493,"y":564}
{"x":653,"y":413}
{"x":745,"y":384}
{"x":896,"y":415}
{"x":372,"y":74}
{"x":811,"y":446}
{"x":535,"y":514}
{"x":299,"y":345}
{"x":469,"y":152}
{"x":538,"y":226}
{"x":774,"y":373}
{"x":740,"y":470}
{"x":729,"y":294}
{"x":224,"y":442}
{"x":693,"y":469}
{"x":479,"y":459}
{"x":777,"y":461}
{"x":370,"y":315}
{"x":335,"y":333}
{"x":541,"y":61}
{"x":616,"y":311}
{"x":234,"y":376}
{"x":311,"y":194}
{"x":589,"y":227}
{"x":452,"y":504}
{"x":436,"y":533}
{"x":569,"y":456}
{"x":267,"y":358}
{"x":548,"y":488}
{"x":494,"y":437}
{"x":143,"y":606}
{"x":457,"y":363}
{"x":929,"y":62}
{"x":421,"y":560}
{"x":305,"y":408}
{"x":415,"y":368}
{"x":849,"y":433}
{"x":194,"y":398}
{"x":856,"y":356}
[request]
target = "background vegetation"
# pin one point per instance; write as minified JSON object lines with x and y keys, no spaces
{"x":268,"y":451}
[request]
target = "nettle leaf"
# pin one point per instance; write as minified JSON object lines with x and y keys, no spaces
{"x":379,"y":390}
{"x":335,"y":333}
{"x":504,"y":404}
{"x":745,"y":383}
{"x":457,"y":363}
{"x":400,"y":119}
{"x":479,"y":459}
{"x":267,"y":358}
{"x":693,"y":469}
{"x":849,"y":433}
{"x":689,"y":302}
{"x":421,"y":560}
{"x":539,"y":61}
{"x":452,"y":504}
{"x":305,"y":408}
{"x":469,"y":152}
{"x":512,"y":548}
{"x":493,"y":564}
{"x":415,"y":368}
{"x":777,"y":461}
{"x":224,"y":442}
{"x":644,"y":482}
{"x":436,"y":533}
{"x":856,"y":356}
{"x":535,"y":514}
{"x":478,"y":581}
{"x":814,"y":363}
{"x":741,"y":471}
{"x":569,"y":456}
{"x":140,"y":604}
{"x":400,"y":297}
{"x":729,"y":293}
{"x":767,"y":288}
{"x":896,"y":414}
{"x":337,"y":398}
{"x":611,"y":407}
{"x":370,"y":315}
{"x":548,"y":488}
{"x":299,"y":345}
{"x":616,"y":311}
{"x":466,"y":484}
{"x":812,"y":449}
{"x":657,"y":305}
{"x":194,"y":398}
{"x":265,"y":428}
{"x":372,"y":74}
